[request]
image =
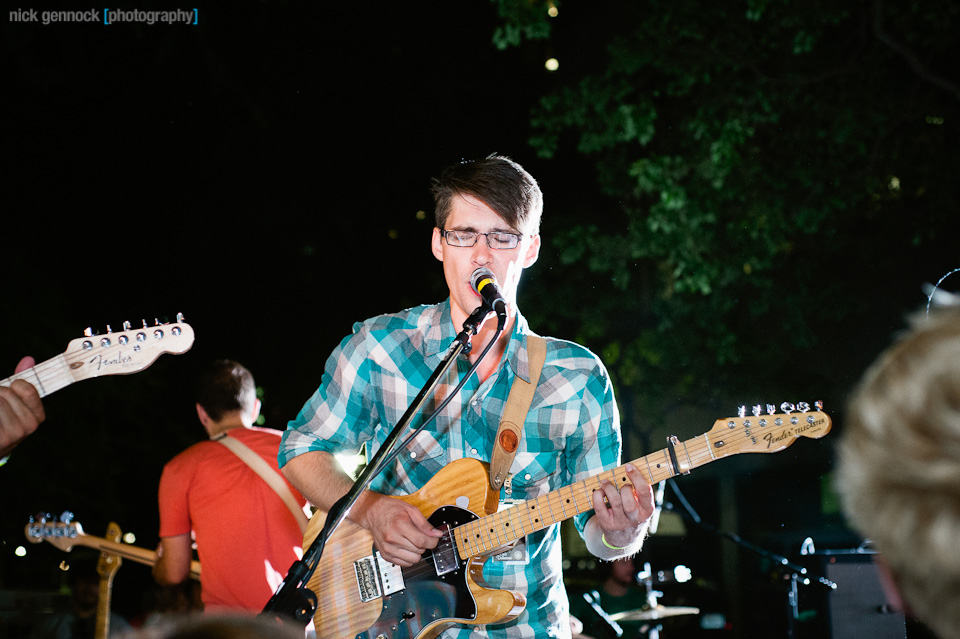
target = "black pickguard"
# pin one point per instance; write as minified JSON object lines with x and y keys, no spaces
{"x":428,"y":597}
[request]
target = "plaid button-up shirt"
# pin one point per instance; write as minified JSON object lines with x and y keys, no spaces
{"x":572,"y":431}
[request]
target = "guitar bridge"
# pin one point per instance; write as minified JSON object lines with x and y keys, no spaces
{"x":445,"y":558}
{"x":377,"y":577}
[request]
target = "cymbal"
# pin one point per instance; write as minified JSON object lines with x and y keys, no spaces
{"x":656,"y":612}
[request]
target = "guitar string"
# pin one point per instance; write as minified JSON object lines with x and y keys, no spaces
{"x":485,"y":541}
{"x":578,"y":491}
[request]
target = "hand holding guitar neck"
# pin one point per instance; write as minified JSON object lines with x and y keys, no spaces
{"x":128,"y":351}
{"x":122,"y":353}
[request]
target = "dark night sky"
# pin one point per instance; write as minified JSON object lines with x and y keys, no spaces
{"x":248,"y":172}
{"x":260,"y":173}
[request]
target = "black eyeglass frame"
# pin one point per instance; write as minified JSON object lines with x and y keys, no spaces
{"x":487,"y":235}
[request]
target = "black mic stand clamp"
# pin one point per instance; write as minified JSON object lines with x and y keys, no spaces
{"x":293,"y":601}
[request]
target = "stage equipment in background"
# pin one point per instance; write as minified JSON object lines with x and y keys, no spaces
{"x":67,"y":533}
{"x":857,"y":608}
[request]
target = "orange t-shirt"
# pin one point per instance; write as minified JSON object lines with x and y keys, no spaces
{"x":246,"y":537}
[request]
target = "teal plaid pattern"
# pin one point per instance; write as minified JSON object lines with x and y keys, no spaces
{"x":572,"y":432}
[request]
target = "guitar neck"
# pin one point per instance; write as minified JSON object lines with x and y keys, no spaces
{"x":103,"y":608}
{"x":489,"y":533}
{"x":47,"y":377}
{"x":114,"y":353}
{"x":126,"y":551}
{"x":728,"y":437}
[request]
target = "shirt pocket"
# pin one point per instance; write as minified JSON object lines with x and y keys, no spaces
{"x":535,"y":469}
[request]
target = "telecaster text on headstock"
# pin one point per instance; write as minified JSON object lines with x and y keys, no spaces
{"x":790,"y":433}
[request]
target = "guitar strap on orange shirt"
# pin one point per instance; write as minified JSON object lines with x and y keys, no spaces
{"x":515,"y":413}
{"x":268,"y":474}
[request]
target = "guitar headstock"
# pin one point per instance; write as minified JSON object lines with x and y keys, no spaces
{"x":767,"y":431}
{"x":109,"y":563}
{"x":128,"y":351}
{"x":63,"y":534}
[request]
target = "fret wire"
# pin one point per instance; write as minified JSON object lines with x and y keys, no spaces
{"x":553,"y":516}
{"x":646,"y":460}
{"x":687,"y":453}
{"x":521,"y":530}
{"x":563,"y":509}
{"x":494,"y":528}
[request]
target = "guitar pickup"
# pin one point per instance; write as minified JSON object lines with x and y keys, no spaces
{"x":377,"y":577}
{"x":445,"y":558}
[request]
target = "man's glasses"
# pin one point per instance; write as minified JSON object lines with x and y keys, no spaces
{"x":495,"y":239}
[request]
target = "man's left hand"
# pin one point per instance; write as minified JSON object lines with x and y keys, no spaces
{"x":623,"y":514}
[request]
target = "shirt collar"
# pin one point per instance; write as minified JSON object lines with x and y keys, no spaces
{"x":440,"y":333}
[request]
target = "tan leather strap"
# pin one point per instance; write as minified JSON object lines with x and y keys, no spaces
{"x":258,"y":465}
{"x":515,"y":413}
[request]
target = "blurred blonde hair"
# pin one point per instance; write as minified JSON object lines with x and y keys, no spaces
{"x":899,"y":465}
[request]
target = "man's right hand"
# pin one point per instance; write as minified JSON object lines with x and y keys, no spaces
{"x":400,"y":531}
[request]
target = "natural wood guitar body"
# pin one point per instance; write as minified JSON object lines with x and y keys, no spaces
{"x":341,"y":612}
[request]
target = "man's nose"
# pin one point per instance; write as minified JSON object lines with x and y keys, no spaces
{"x":482,"y":253}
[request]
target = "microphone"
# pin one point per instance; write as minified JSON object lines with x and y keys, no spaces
{"x":484,"y":282}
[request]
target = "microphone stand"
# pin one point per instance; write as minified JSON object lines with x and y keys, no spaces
{"x":795,"y":570}
{"x":292,"y":599}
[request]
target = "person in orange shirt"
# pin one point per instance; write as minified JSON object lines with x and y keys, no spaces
{"x":246,"y":536}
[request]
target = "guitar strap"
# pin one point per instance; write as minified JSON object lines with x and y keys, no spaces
{"x":269,"y":475}
{"x":515,"y":413}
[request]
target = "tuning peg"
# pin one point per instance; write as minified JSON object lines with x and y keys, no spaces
{"x":803,"y":407}
{"x":66,"y":517}
{"x":88,"y":332}
{"x":742,"y":411}
{"x":819,"y":405}
{"x":771,"y":409}
{"x":109,"y":330}
{"x":179,"y":317}
{"x":756,"y":410}
{"x":787,"y":407}
{"x":126,"y":325}
{"x":156,"y":322}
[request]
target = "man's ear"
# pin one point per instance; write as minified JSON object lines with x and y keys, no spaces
{"x":436,"y":244}
{"x":533,"y":252}
{"x":202,"y":415}
{"x":257,"y":405}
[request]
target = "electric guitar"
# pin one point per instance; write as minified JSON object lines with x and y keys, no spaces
{"x":66,"y":535}
{"x":107,"y":567}
{"x":122,"y":353}
{"x":361,"y":595}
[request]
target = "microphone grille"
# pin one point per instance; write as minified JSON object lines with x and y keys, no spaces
{"x":479,"y":276}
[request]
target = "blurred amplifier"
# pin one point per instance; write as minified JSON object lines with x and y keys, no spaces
{"x":858,"y":609}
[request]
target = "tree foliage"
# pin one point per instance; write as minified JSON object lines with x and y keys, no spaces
{"x":772,"y":178}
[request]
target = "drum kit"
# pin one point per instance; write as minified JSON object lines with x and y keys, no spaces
{"x":652,"y":612}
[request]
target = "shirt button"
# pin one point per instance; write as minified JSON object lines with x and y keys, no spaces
{"x":474,"y":451}
{"x":527,"y":476}
{"x":413,"y":454}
